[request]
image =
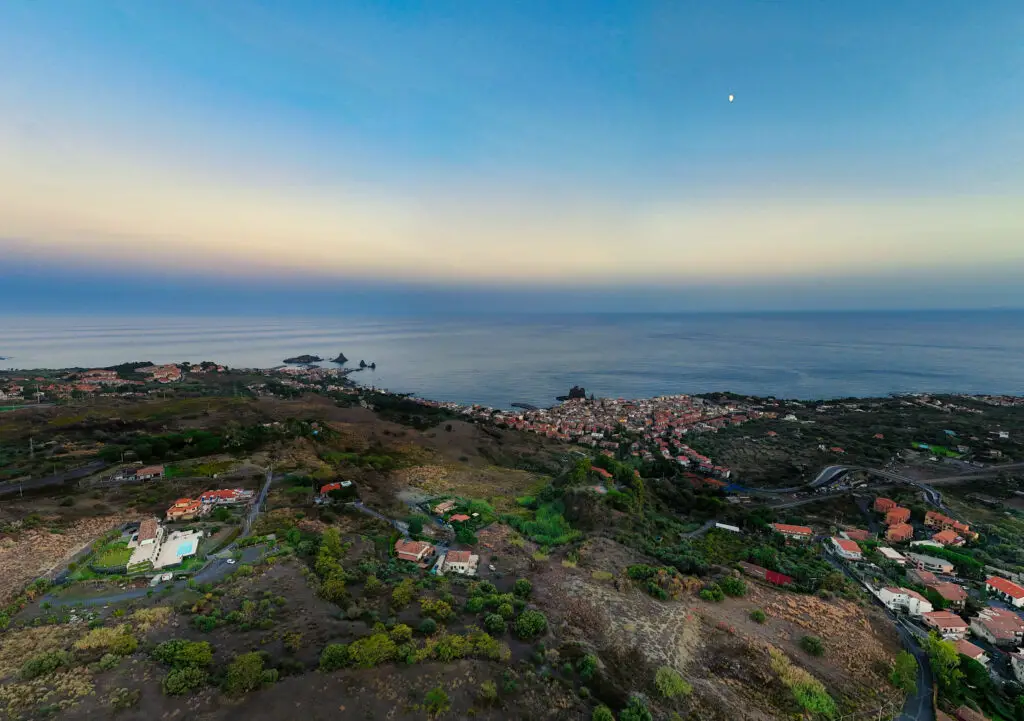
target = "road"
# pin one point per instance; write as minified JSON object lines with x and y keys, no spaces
{"x":58,"y":479}
{"x":216,"y":568}
{"x":401,"y":526}
{"x":708,"y":525}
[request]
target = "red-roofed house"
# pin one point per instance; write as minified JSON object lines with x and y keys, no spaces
{"x":948,"y":538}
{"x":602,"y":472}
{"x":225,"y":496}
{"x":796,"y":533}
{"x":186,"y":509}
{"x":925,"y":578}
{"x":884,"y":505}
{"x":953,"y":594}
{"x":336,"y":486}
{"x":459,"y":518}
{"x":856,"y":534}
{"x":899,"y":532}
{"x":975,"y":653}
{"x":949,"y":625}
{"x":1006,"y":590}
{"x":899,"y":514}
{"x":998,"y":626}
{"x":415,"y":551}
{"x":846,"y":549}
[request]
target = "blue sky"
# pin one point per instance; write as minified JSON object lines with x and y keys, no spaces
{"x":579,"y":153}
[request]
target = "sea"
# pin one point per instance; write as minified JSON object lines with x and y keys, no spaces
{"x":497,"y":360}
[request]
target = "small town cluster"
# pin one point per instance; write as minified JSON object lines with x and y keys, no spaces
{"x":934,"y":597}
{"x":653,"y":427}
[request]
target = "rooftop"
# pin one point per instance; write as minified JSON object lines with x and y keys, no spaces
{"x":1005,"y":586}
{"x":786,"y":528}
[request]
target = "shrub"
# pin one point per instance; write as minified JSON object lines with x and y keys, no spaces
{"x":436,"y":701}
{"x":44,"y":664}
{"x":117,"y":640}
{"x":180,"y":653}
{"x":483,"y":588}
{"x":476,"y":604}
{"x":108,"y":661}
{"x":602,"y":713}
{"x":522,"y":588}
{"x":636,"y":710}
{"x":488,"y":692}
{"x":371,"y":651}
{"x":670,"y":684}
{"x":494,"y":623}
{"x":247,"y":673}
{"x":712,"y":592}
{"x":587,"y":666}
{"x":333,"y":657}
{"x":758,"y":616}
{"x":182,"y":680}
{"x":121,"y":699}
{"x":531,"y":624}
{"x":401,"y":633}
{"x":602,"y":576}
{"x":506,"y":611}
{"x":904,"y":672}
{"x":293,"y":641}
{"x":428,"y":626}
{"x":733,"y":586}
{"x":438,"y":609}
{"x":813,"y":645}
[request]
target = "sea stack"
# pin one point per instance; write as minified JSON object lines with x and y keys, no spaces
{"x":340,"y":359}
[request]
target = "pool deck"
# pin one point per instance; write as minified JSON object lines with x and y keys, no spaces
{"x":169,"y":550}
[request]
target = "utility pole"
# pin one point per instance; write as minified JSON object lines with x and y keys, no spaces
{"x":32,"y":448}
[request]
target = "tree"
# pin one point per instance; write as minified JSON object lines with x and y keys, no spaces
{"x":333,"y":657}
{"x":246,"y":673}
{"x":221,"y":514}
{"x":636,"y":710}
{"x":180,"y":653}
{"x":428,"y":626}
{"x":670,"y":683}
{"x":333,"y":589}
{"x":945,"y":662}
{"x":436,"y":701}
{"x":416,"y":525}
{"x":602,"y":713}
{"x":494,"y":623}
{"x":402,"y":594}
{"x":400,"y":633}
{"x":522,"y":588}
{"x":587,"y":666}
{"x":371,"y":651}
{"x":733,"y":586}
{"x":505,"y":610}
{"x":531,"y":624}
{"x":904,"y":672}
{"x":182,"y":680}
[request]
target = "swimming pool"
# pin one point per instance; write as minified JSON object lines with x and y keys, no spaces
{"x":186,"y":548}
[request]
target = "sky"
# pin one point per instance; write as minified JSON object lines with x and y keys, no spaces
{"x":529,"y":155}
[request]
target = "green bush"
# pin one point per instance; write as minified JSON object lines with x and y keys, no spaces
{"x":670,"y":684}
{"x":636,"y":710}
{"x":400,"y":633}
{"x":712,"y":592}
{"x":402,"y":594}
{"x":428,"y":626}
{"x":522,"y":588}
{"x":602,"y":713}
{"x":494,"y":623}
{"x":506,"y":611}
{"x":436,"y":701}
{"x":180,"y":653}
{"x":488,"y":692}
{"x":44,"y":664}
{"x":732,"y":586}
{"x":371,"y":651}
{"x":247,"y":673}
{"x":182,"y":680}
{"x":476,"y":604}
{"x":813,"y":645}
{"x":438,"y":609}
{"x":531,"y":624}
{"x":758,"y":616}
{"x":904,"y":672}
{"x":587,"y":666}
{"x":333,"y":657}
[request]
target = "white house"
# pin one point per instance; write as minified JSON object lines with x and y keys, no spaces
{"x":1005,"y":589}
{"x":462,"y":562}
{"x":891,"y":554}
{"x":905,"y":599}
{"x":1017,"y":664}
{"x":845,"y":548}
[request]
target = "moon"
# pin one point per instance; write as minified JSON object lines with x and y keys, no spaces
{"x":731,"y":97}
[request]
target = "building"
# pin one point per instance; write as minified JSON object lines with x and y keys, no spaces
{"x":953,"y":594}
{"x":443,"y":507}
{"x":794,"y":533}
{"x":934,"y":519}
{"x":948,"y":625}
{"x":336,"y":486}
{"x":899,"y":533}
{"x":891,"y":554}
{"x":845,"y":549}
{"x":998,"y":626}
{"x":975,"y":653}
{"x":186,"y":509}
{"x":923,"y":578}
{"x":1006,"y":590}
{"x":904,"y":599}
{"x":462,"y":562}
{"x":225,"y":497}
{"x":856,"y":534}
{"x":899,"y":514}
{"x":884,"y":505}
{"x":149,"y":532}
{"x":147,"y":473}
{"x":459,"y":518}
{"x":415,"y":551}
{"x":1017,"y":664}
{"x":948,"y":538}
{"x":931,"y":563}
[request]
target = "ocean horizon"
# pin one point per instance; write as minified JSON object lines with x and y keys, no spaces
{"x":500,"y":359}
